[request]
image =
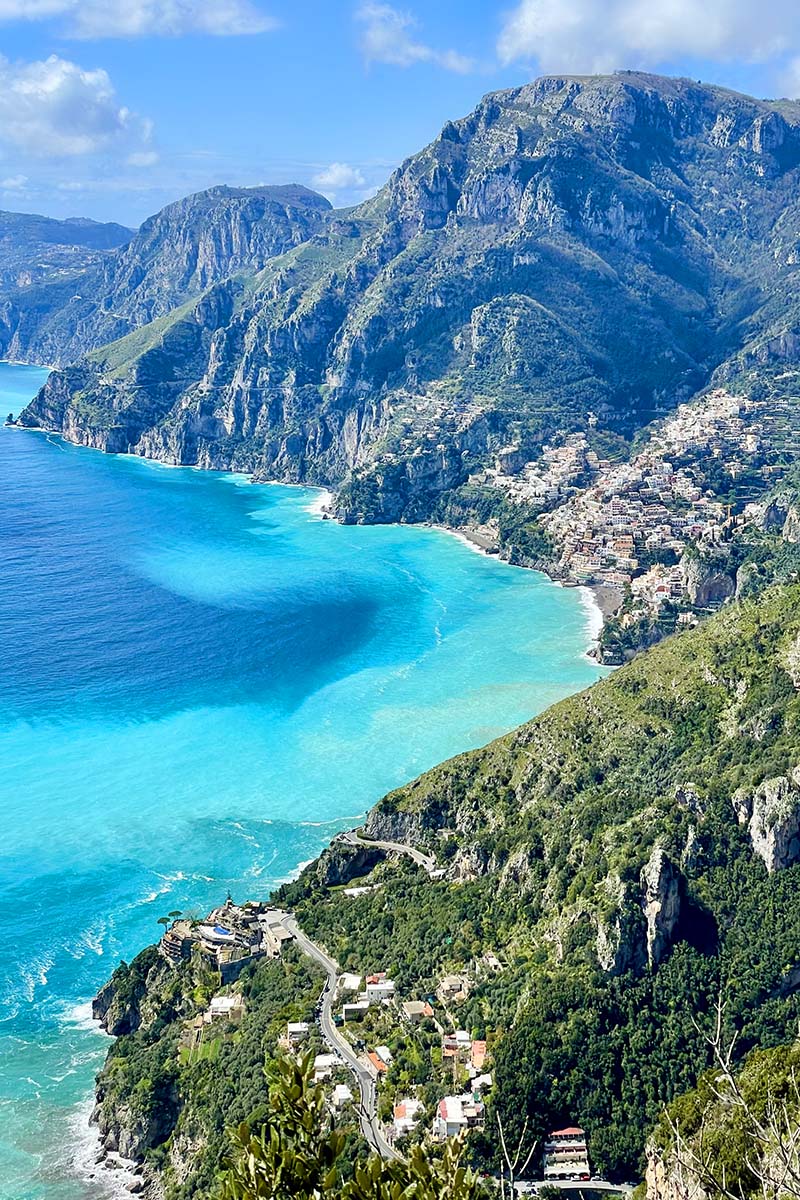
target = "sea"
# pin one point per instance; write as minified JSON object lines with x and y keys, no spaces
{"x":201,"y":682}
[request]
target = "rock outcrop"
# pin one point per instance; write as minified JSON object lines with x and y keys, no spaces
{"x":342,"y":862}
{"x":708,"y":578}
{"x":772,"y":815}
{"x":661,"y":903}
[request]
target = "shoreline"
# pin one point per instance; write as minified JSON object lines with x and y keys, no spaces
{"x":602,"y":601}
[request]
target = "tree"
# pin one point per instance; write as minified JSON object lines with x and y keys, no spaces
{"x":295,"y":1154}
{"x":747,"y":1140}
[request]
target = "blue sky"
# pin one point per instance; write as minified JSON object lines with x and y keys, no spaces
{"x":112,"y":108}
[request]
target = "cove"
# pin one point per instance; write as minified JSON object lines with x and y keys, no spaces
{"x":201,"y":681}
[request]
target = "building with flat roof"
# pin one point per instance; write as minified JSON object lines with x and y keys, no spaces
{"x":566,"y":1155}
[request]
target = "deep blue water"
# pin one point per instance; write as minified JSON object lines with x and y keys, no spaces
{"x":200,"y":682}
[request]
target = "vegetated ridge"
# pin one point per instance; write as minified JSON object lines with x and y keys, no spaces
{"x":606,"y":870}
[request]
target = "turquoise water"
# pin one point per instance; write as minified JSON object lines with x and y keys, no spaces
{"x":201,"y":681}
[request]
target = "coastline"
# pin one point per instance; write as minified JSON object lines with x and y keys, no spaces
{"x":600,"y":600}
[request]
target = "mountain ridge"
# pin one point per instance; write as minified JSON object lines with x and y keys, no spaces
{"x":174,"y":255}
{"x":601,"y":246}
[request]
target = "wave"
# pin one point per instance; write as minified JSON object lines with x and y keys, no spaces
{"x":292,"y":875}
{"x":35,"y":974}
{"x":81,"y":1150}
{"x":79,"y":1016}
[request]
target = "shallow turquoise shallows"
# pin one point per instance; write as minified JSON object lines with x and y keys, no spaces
{"x":201,"y":681}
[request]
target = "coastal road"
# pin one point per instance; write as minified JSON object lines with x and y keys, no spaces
{"x":368,"y":1116}
{"x":422,"y":860}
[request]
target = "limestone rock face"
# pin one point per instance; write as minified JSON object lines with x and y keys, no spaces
{"x":708,"y":582}
{"x":665,"y":1180}
{"x":661,"y":903}
{"x":772,"y":815}
{"x":342,"y":862}
{"x":392,"y":350}
{"x":124,"y":1003}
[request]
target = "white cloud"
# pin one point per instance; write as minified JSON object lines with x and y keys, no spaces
{"x":142,"y":158}
{"x":56,"y":108}
{"x":13,"y":183}
{"x":602,"y":35}
{"x":141,"y":18}
{"x":386,"y":38}
{"x":339,"y":175}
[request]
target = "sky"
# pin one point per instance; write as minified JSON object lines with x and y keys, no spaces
{"x":112,"y":108}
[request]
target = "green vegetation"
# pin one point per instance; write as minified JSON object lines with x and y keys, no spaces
{"x":602,"y":888}
{"x":163,"y":1095}
{"x":734,"y":1135}
{"x":296,"y":1153}
{"x":548,"y":831}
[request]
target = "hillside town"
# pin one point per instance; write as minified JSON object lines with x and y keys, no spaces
{"x":628,"y":524}
{"x":373,"y":1029}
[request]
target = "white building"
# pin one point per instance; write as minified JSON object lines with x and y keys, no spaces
{"x":566,"y":1155}
{"x":407,"y":1114}
{"x":456,"y":1113}
{"x":341,"y":1095}
{"x":296,"y":1032}
{"x":324,"y":1066}
{"x":380,"y":989}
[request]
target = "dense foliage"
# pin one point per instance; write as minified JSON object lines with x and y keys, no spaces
{"x":296,"y":1151}
{"x":546,"y":832}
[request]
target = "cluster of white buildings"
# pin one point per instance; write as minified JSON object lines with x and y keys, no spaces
{"x":609,"y":520}
{"x":657,"y":502}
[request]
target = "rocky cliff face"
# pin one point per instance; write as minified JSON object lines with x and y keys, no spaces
{"x":709,"y":578}
{"x":661,"y":903}
{"x":574,"y":246}
{"x":772,"y":815}
{"x":177,"y":254}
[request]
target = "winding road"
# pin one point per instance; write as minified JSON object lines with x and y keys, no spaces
{"x":422,"y":860}
{"x":368,"y":1117}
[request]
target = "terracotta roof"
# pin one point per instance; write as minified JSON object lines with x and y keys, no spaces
{"x":377,"y":1062}
{"x":570,"y":1131}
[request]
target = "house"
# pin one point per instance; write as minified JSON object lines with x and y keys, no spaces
{"x":324,"y":1066}
{"x":296,"y":1032}
{"x":385,"y":1053}
{"x":566,"y":1155}
{"x":406,"y":1116}
{"x":455,"y":1044}
{"x":379,"y":1065}
{"x":225,"y":1008}
{"x":354,"y":1010}
{"x":453,"y":987}
{"x":477,"y":1055}
{"x":455,"y":1114}
{"x":341,"y":1096}
{"x":348,"y":983}
{"x":379,"y":987}
{"x":417,"y":1010}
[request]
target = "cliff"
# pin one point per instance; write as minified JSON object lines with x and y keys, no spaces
{"x":735,"y":1134}
{"x":176,"y":254}
{"x":577,"y":249}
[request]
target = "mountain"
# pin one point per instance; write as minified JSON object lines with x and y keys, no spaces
{"x":602,"y":873}
{"x":40,"y":257}
{"x":33,"y":248}
{"x":580,"y":252}
{"x":174,"y":256}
